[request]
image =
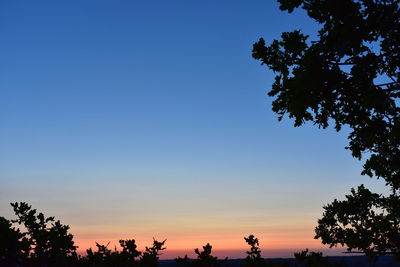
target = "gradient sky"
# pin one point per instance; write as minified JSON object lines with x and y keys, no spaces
{"x":142,"y":119}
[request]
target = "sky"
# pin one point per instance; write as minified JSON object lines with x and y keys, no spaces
{"x":141,"y":119}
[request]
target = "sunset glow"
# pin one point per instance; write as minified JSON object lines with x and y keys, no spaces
{"x":141,"y":119}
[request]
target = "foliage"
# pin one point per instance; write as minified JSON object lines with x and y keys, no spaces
{"x":102,"y":257}
{"x":37,"y":247}
{"x":254,"y":254}
{"x":254,"y":258}
{"x":339,"y":77}
{"x":14,"y":246}
{"x":129,"y":250}
{"x":105,"y":257}
{"x":348,"y":76}
{"x":185,"y":261}
{"x":365,"y":221}
{"x":46,"y":242}
{"x":49,"y":242}
{"x":150,"y":256}
{"x":204,"y":259}
{"x":313,"y":259}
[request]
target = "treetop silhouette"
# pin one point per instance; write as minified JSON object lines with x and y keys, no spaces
{"x":349,"y":76}
{"x":20,"y":249}
{"x":45,"y":242}
{"x":254,"y":254}
{"x":204,"y":258}
{"x":365,"y":221}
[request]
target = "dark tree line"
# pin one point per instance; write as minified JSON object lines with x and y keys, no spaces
{"x":33,"y":240}
{"x":45,"y":242}
{"x":348,"y":76}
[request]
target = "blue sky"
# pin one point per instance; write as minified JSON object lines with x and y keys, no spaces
{"x":112,"y":111}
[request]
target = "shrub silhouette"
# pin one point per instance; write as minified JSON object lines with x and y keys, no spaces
{"x":14,"y":246}
{"x":47,"y":242}
{"x":254,"y":254}
{"x":365,"y":220}
{"x":204,"y":259}
{"x":129,"y":249}
{"x":104,"y":257}
{"x":313,"y":259}
{"x":254,"y":258}
{"x":150,"y":256}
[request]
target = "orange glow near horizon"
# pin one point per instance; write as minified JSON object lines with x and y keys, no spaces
{"x":223,"y":246}
{"x":279,"y":236}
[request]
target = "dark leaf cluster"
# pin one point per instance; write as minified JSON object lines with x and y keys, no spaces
{"x":254,"y":258}
{"x":45,"y":242}
{"x":313,"y":259}
{"x":38,"y":249}
{"x":364,"y":221}
{"x":204,"y":259}
{"x":348,"y":76}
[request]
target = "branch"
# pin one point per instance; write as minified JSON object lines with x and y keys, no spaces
{"x":341,"y":63}
{"x":385,"y":84}
{"x":391,"y":78}
{"x":389,"y":84}
{"x":348,"y":61}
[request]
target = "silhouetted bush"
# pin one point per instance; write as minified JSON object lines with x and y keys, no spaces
{"x":254,"y":254}
{"x":14,"y":247}
{"x":204,"y":259}
{"x":129,"y":256}
{"x":254,"y":258}
{"x":105,"y":257}
{"x":314,"y":259}
{"x":150,"y":256}
{"x":46,"y":242}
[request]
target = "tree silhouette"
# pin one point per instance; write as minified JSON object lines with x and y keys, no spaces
{"x":50,"y":244}
{"x":313,"y":259}
{"x":150,"y":256}
{"x":254,"y":254}
{"x":14,"y":246}
{"x":365,"y":221}
{"x":127,"y":257}
{"x":46,"y":242}
{"x":129,"y":251}
{"x":102,"y":257}
{"x":349,"y":76}
{"x":254,"y":258}
{"x":105,"y":257}
{"x":204,"y":259}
